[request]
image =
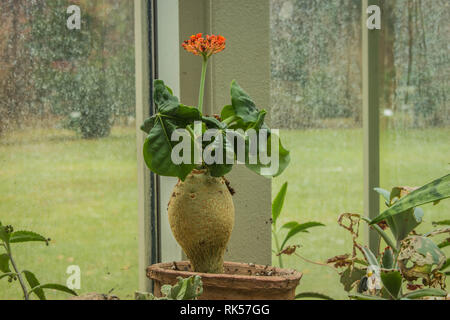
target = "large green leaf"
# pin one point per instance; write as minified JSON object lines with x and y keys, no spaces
{"x":429,"y":292}
{"x":53,"y":286}
{"x":403,"y":223}
{"x":392,"y":281}
{"x":33,"y":282}
{"x":4,"y":263}
{"x":300,"y":228}
{"x":243,"y":105}
{"x":283,"y":158}
{"x":278,"y":202}
{"x":26,"y":236}
{"x":434,"y":191}
{"x":158,"y":149}
{"x":170,"y":116}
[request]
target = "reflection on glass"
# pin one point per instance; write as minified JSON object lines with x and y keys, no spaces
{"x":67,"y":141}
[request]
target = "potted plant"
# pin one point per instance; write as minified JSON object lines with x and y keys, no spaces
{"x":201,"y":210}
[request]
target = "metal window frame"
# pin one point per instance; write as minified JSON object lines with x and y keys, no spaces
{"x":371,"y":128}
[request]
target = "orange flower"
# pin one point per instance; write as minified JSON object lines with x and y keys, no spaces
{"x":205,"y":47}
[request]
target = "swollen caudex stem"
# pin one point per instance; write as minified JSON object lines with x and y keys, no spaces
{"x":201,"y":216}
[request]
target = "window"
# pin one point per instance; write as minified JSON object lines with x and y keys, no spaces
{"x":68,"y":141}
{"x":317,"y":100}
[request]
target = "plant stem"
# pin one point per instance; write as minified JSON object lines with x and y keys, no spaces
{"x":229,"y":120}
{"x":277,"y":245}
{"x":19,"y":275}
{"x":202,"y":84}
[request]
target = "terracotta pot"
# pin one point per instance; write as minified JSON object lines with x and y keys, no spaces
{"x":239,"y":282}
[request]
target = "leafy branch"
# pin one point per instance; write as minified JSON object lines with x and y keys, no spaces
{"x":7,"y":237}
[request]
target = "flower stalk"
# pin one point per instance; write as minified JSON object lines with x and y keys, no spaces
{"x":202,"y":84}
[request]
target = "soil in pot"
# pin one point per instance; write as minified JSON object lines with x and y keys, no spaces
{"x":240,"y":281}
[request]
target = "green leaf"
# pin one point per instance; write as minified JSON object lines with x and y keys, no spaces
{"x":283,"y":157}
{"x":158,"y":146}
{"x":243,"y":105}
{"x":4,"y":236}
{"x":370,"y":257}
{"x":442,"y":223}
{"x":53,"y":286}
{"x":314,"y":295}
{"x":26,"y":236}
{"x":158,"y":149}
{"x":444,"y":244}
{"x":33,"y":282}
{"x":445,"y":265}
{"x":7,"y":275}
{"x":148,"y":124}
{"x":300,"y":228}
{"x":429,"y":292}
{"x":4,"y":263}
{"x":185,"y":289}
{"x":359,"y":296}
{"x":386,"y":195}
{"x":290,"y":225}
{"x":392,"y":281}
{"x":434,"y":191}
{"x":387,"y":261}
{"x":278,"y":202}
{"x":164,"y":99}
{"x":403,"y":223}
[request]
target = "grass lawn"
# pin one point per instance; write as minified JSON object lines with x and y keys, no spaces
{"x":83,"y":195}
{"x":80,"y":193}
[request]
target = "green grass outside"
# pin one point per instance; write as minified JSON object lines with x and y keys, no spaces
{"x":83,"y":195}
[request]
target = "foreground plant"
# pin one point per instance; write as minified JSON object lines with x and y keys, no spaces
{"x":185,"y":289}
{"x":412,"y":265}
{"x":201,"y":210}
{"x":7,"y":237}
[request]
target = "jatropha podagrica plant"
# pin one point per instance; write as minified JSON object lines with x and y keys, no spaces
{"x":201,"y":210}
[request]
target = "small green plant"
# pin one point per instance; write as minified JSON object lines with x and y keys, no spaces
{"x":186,"y":289}
{"x":7,"y":237}
{"x":291,"y":228}
{"x":412,"y":266}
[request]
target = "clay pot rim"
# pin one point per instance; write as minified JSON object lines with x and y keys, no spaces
{"x":290,"y":279}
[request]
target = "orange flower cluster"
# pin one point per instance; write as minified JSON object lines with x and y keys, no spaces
{"x":205,"y":47}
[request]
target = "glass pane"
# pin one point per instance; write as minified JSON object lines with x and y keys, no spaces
{"x":415,"y":114}
{"x":316,"y":100}
{"x":67,"y":141}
